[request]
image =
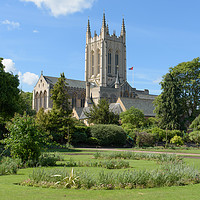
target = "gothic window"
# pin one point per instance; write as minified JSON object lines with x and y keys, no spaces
{"x":98,"y":61}
{"x":82,"y":101}
{"x":45,"y":99}
{"x":41,"y":98}
{"x":92,"y":62}
{"x":109,"y":62}
{"x":113,"y":98}
{"x":126,"y":93}
{"x":74,"y":100}
{"x":36,"y":102}
{"x":116,"y":61}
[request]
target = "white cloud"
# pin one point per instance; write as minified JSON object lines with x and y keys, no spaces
{"x":11,"y":24}
{"x":63,"y":7}
{"x":35,"y":31}
{"x":27,"y":78}
{"x":9,"y":65}
{"x":30,"y":78}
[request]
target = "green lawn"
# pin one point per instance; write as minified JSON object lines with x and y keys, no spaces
{"x":9,"y":190}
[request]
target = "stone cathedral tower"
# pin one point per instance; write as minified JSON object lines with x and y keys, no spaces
{"x":105,"y":61}
{"x":105,"y":56}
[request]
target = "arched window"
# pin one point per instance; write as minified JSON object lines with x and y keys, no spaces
{"x":92,"y":63}
{"x":113,"y":98}
{"x":45,"y":99}
{"x":41,"y":98}
{"x":74,"y":100}
{"x":109,"y":61}
{"x":82,"y":100}
{"x":98,"y":62}
{"x":116,"y":61}
{"x":36,"y":102}
{"x":126,"y":93}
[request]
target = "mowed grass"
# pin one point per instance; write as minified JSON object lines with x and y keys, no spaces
{"x":10,"y":190}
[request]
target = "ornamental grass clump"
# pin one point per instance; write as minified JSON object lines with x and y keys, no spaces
{"x":108,"y":164}
{"x":139,"y":156}
{"x":9,"y":165}
{"x":173,"y":174}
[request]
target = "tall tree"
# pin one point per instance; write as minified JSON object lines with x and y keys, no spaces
{"x":60,"y":116}
{"x":168,"y":104}
{"x":133,"y":118}
{"x":25,"y":103}
{"x":100,"y":114}
{"x":178,"y":104}
{"x":9,"y":93}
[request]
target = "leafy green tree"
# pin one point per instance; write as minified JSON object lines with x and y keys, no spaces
{"x":60,"y":121}
{"x":24,"y":139}
{"x":100,"y":114}
{"x":168,"y":104}
{"x":178,"y":104}
{"x":9,"y":93}
{"x":25,"y":103}
{"x":132,"y":117}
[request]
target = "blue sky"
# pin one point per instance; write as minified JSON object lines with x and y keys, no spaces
{"x":49,"y":35}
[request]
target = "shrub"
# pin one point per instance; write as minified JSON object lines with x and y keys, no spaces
{"x":48,"y":159}
{"x":24,"y":139}
{"x":195,"y":137}
{"x":92,"y":141}
{"x":177,"y":140}
{"x":109,"y":134}
{"x":133,"y":116}
{"x":144,"y":139}
{"x":79,"y":138}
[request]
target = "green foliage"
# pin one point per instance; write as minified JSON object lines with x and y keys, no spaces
{"x":24,"y":139}
{"x":100,"y":114}
{"x":108,"y":164}
{"x":196,"y":124}
{"x":80,"y":132}
{"x":178,"y":104}
{"x":195,"y":137}
{"x":92,"y":141}
{"x":133,"y":116}
{"x":9,"y":93}
{"x":177,"y":140}
{"x":42,"y":120}
{"x":69,"y":181}
{"x":172,"y":174}
{"x":25,"y":103}
{"x":59,"y":119}
{"x":161,"y":158}
{"x":9,"y":166}
{"x":144,"y":139}
{"x":109,"y":134}
{"x":46,"y":159}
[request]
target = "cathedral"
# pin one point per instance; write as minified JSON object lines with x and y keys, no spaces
{"x":105,"y":77}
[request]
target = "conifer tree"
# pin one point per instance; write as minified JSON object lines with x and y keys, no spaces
{"x":100,"y":114}
{"x":60,"y":116}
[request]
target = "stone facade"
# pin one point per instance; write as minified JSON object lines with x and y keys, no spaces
{"x":105,"y":76}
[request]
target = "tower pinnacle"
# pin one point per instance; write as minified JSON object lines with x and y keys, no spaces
{"x":88,"y":26}
{"x":104,"y":21}
{"x":123,"y":30}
